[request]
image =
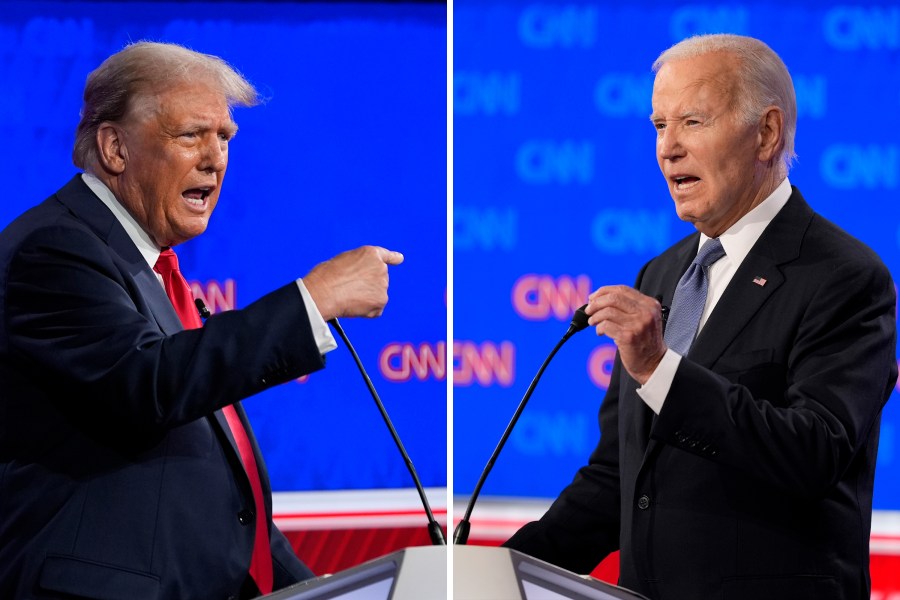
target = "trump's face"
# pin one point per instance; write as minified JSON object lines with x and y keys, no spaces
{"x":175,"y":150}
{"x":710,"y":159}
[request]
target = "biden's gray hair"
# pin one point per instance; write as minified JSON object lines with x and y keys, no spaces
{"x":763,"y":80}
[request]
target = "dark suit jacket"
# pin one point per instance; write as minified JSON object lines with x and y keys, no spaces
{"x":755,"y":480}
{"x":119,"y":478}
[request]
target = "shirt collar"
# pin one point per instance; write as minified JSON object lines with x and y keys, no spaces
{"x":738,"y":239}
{"x":145,"y":244}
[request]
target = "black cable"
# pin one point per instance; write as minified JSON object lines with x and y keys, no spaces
{"x":579,"y":322}
{"x":434,"y":529}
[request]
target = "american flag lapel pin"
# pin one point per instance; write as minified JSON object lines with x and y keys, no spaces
{"x":760,"y":281}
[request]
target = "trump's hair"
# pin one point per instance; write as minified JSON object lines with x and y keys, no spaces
{"x":141,"y":70}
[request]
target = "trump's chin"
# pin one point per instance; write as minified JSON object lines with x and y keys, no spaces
{"x":184,"y":231}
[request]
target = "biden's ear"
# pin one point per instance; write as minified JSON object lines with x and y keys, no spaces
{"x":111,"y":148}
{"x":771,"y":135}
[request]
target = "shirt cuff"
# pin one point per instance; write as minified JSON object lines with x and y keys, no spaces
{"x":654,"y":392}
{"x":322,"y":334}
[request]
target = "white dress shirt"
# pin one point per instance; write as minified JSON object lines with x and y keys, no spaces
{"x":737,"y":242}
{"x":150,"y":251}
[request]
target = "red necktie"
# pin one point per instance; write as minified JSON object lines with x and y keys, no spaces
{"x":182,"y":299}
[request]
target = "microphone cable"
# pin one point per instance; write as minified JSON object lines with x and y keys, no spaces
{"x":434,"y":529}
{"x":461,"y":533}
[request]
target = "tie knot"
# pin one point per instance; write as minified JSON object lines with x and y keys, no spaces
{"x":167,"y":262}
{"x":711,"y":251}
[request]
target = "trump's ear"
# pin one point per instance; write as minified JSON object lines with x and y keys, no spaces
{"x":111,"y":148}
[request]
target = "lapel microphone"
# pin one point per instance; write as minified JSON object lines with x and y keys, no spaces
{"x":201,"y":308}
{"x":664,"y":311}
{"x":579,"y":322}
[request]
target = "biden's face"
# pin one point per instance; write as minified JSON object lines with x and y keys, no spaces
{"x":707,"y":154}
{"x":175,"y":146}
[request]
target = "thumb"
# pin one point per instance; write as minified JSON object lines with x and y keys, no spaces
{"x":391,"y":257}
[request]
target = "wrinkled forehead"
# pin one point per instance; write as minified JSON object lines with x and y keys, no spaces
{"x":696,"y":83}
{"x":180,"y":95}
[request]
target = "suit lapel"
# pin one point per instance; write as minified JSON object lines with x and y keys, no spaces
{"x":219,"y":420}
{"x":757,"y":279}
{"x":159,"y":303}
{"x":84,"y":204}
{"x":740,"y":301}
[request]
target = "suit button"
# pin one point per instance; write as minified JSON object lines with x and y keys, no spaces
{"x":644,"y":502}
{"x":245,"y":516}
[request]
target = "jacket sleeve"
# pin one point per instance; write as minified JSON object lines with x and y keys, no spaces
{"x":75,"y":318}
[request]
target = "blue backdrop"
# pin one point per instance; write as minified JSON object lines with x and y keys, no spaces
{"x":348,"y":149}
{"x":557,"y":192}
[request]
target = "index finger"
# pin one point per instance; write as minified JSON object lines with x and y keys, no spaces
{"x":611,"y":289}
{"x":608,"y":289}
{"x":621,"y":297}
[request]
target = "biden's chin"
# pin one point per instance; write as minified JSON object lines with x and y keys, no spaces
{"x":685,"y":210}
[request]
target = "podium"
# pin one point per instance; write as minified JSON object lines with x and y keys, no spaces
{"x":479,"y":573}
{"x":488,"y":573}
{"x":418,"y":573}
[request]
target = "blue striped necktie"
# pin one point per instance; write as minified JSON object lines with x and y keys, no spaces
{"x":690,"y":298}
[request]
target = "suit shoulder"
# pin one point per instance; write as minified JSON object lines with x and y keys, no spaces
{"x":834,"y":244}
{"x":44,"y":225}
{"x":48,"y":234}
{"x":51,"y":219}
